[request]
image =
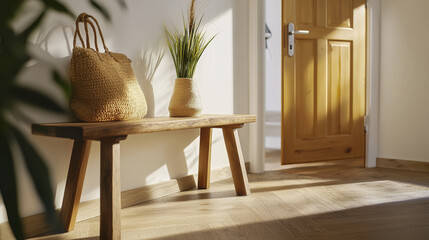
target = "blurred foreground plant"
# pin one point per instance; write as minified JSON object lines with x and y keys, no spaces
{"x":14,"y":56}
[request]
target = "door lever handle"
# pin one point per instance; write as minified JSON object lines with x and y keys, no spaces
{"x":303,"y":32}
{"x":291,"y":37}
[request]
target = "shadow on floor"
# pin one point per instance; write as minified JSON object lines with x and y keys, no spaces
{"x":394,"y":221}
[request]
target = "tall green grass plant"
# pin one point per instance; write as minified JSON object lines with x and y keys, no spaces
{"x":187,"y":44}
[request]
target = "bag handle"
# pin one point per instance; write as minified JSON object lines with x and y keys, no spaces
{"x":87,"y":19}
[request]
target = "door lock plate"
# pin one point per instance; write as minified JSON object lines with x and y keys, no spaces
{"x":291,"y":37}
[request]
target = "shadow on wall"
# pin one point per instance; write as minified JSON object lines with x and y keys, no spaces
{"x":145,"y":67}
{"x":148,"y":158}
{"x":160,"y":145}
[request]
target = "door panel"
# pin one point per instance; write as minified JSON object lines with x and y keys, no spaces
{"x":306,"y":87}
{"x":339,"y":13}
{"x":306,"y":13}
{"x":339,"y":88}
{"x":324,"y":82}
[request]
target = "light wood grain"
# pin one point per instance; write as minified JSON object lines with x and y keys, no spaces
{"x":236,"y":161}
{"x":306,"y":12}
{"x":110,"y":189}
{"x":96,"y":131}
{"x":339,"y":100}
{"x":323,"y":92}
{"x":306,"y":52}
{"x":74,"y":184}
{"x":110,"y":134}
{"x":205,"y":158}
{"x":403,"y":165}
{"x":340,"y":13}
{"x":336,"y":200}
{"x":35,"y":225}
{"x":144,"y":194}
{"x":91,"y":209}
{"x":231,"y":126}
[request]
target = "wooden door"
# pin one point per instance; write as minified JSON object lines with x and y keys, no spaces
{"x":324,"y":82}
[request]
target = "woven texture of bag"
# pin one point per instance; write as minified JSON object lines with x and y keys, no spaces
{"x":104,"y":85}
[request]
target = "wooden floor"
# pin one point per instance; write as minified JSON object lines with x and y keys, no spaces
{"x":336,"y":200}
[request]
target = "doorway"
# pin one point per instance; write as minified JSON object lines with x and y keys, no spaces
{"x":317,"y":114}
{"x":273,"y":76}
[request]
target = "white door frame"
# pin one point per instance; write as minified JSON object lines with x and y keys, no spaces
{"x":373,"y":81}
{"x":257,"y":83}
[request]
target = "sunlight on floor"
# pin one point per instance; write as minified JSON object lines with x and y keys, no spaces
{"x":336,"y":200}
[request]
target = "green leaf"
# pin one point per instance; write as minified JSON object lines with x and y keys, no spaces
{"x":21,"y":116}
{"x":13,"y":54}
{"x":187,"y":46}
{"x":58,"y":6}
{"x":5,"y":101}
{"x":101,"y":9}
{"x":40,"y":175}
{"x":8,"y":9}
{"x":63,"y":84}
{"x":123,"y":4}
{"x":8,"y":187}
{"x":35,"y":98}
{"x":26,"y":33}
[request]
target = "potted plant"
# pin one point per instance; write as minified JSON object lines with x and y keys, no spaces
{"x":186,"y":45}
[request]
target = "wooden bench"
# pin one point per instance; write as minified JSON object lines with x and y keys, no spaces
{"x":111,"y":133}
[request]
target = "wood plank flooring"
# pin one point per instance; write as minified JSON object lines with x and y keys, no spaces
{"x":335,"y":200}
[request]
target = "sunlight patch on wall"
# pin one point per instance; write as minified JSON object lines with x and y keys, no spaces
{"x":155,"y":177}
{"x":216,"y":81}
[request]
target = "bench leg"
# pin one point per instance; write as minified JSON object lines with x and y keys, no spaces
{"x":205,"y":158}
{"x":236,"y":161}
{"x":110,"y":190}
{"x":74,"y":184}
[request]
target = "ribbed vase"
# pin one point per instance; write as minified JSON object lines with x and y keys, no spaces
{"x":185,"y":101}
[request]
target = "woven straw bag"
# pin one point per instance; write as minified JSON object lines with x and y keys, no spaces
{"x":104,"y":85}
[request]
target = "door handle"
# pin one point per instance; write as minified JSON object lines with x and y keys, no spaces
{"x":291,"y":37}
{"x":305,"y":32}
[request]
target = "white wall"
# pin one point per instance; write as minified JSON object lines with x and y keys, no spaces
{"x":404,"y":84}
{"x":150,"y":158}
{"x":273,"y":76}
